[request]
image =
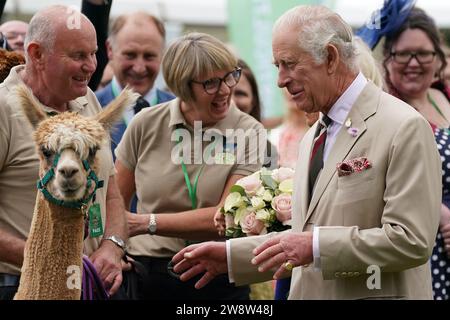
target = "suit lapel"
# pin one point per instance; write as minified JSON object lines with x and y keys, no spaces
{"x":300,"y":196}
{"x":364,"y":107}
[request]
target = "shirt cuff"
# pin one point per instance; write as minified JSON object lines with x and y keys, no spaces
{"x":316,"y":249}
{"x":230,"y":269}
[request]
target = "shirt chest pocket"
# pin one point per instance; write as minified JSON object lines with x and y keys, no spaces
{"x":356,"y":186}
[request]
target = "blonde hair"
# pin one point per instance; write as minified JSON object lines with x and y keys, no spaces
{"x":370,"y":67}
{"x":192,"y":56}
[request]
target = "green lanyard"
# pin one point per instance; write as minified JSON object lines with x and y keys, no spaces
{"x":433,"y":103}
{"x":192,"y":189}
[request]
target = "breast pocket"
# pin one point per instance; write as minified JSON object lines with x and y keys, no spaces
{"x":356,"y":186}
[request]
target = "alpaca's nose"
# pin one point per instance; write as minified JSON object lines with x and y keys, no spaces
{"x":68,"y":171}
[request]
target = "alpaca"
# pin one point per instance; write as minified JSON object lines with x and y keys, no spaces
{"x":66,"y":145}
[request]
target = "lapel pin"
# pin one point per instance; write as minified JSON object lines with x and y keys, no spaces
{"x":353,"y":131}
{"x":348,"y":123}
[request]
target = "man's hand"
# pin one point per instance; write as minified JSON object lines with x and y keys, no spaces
{"x":208,"y":257}
{"x":444,"y":227}
{"x":107,"y":261}
{"x":295,"y":248}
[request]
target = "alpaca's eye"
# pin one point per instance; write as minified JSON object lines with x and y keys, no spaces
{"x":92,"y":152}
{"x":47,"y":153}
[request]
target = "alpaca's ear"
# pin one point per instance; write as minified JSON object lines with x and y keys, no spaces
{"x":21,"y":96}
{"x":114,"y":110}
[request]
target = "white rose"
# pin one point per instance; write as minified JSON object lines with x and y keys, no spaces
{"x":257,"y":203}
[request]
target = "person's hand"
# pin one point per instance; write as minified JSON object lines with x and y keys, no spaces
{"x":284,"y":252}
{"x":209,"y":258}
{"x":445,"y":232}
{"x":444,"y":227}
{"x":219,"y":222}
{"x":107,"y":261}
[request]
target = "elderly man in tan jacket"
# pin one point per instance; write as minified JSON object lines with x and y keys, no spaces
{"x":367,"y":193}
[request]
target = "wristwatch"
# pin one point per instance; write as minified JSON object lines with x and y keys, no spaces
{"x":118,"y":242}
{"x":152,"y":224}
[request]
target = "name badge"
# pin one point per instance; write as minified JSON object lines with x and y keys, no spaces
{"x":95,"y":221}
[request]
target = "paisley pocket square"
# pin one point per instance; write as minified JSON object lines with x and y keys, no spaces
{"x":348,"y":167}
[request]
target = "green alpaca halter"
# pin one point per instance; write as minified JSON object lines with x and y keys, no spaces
{"x":81,"y":204}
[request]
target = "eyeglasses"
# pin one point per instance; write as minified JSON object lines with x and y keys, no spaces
{"x":14,"y":35}
{"x":212,"y":86}
{"x":404,"y":57}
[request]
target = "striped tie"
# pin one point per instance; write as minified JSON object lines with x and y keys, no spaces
{"x":316,"y":160}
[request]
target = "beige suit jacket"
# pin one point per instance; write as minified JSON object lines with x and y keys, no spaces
{"x":385,"y":216}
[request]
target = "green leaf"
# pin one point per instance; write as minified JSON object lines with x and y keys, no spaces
{"x":269,"y":182}
{"x":238,"y":189}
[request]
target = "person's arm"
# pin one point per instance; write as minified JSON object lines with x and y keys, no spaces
{"x":97,"y":12}
{"x":107,"y":258}
{"x":11,"y":248}
{"x":195,"y":224}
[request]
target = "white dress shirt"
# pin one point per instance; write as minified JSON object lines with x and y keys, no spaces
{"x":338,"y":113}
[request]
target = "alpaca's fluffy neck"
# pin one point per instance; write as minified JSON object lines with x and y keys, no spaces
{"x":55,"y":243}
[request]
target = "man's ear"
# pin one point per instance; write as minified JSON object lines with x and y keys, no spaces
{"x":109,"y":49}
{"x":333,"y":58}
{"x":35,"y":53}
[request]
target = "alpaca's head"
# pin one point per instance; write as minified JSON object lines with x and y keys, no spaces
{"x":68,"y":142}
{"x":70,"y":138}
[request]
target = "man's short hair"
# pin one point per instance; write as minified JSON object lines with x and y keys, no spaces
{"x":192,"y":56}
{"x":121,"y":20}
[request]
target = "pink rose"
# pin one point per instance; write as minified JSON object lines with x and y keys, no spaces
{"x":250,"y":225}
{"x":281,"y":174}
{"x":250,"y":184}
{"x":282,"y":204}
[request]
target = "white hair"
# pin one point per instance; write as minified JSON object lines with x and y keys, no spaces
{"x":317,"y":27}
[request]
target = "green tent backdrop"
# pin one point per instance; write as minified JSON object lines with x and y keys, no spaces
{"x":250,"y":33}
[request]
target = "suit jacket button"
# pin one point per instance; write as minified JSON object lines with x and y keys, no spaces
{"x":337,"y":274}
{"x":344,"y":274}
{"x":356,"y":273}
{"x":350,"y":274}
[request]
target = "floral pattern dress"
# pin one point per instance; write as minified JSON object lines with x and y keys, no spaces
{"x":440,"y":262}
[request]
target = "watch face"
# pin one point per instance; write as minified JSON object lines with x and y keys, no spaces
{"x":118,"y":241}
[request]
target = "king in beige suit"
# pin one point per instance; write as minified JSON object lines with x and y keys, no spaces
{"x":369,"y":228}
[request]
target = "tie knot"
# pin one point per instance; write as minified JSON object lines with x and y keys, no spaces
{"x":140,"y":104}
{"x":325,"y":121}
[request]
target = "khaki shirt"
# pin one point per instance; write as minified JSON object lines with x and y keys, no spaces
{"x":147,"y":149}
{"x":19,"y":165}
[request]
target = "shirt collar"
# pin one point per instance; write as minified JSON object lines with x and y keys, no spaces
{"x":150,"y":97}
{"x":14,"y":79}
{"x":229,"y":122}
{"x":340,"y":109}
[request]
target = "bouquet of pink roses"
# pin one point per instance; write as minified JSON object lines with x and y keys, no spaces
{"x":259,"y":203}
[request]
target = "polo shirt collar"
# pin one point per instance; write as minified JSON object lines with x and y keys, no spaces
{"x":177,"y":118}
{"x":13,"y":80}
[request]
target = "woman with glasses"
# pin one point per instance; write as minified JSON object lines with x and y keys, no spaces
{"x":181,"y":158}
{"x":413,"y":61}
